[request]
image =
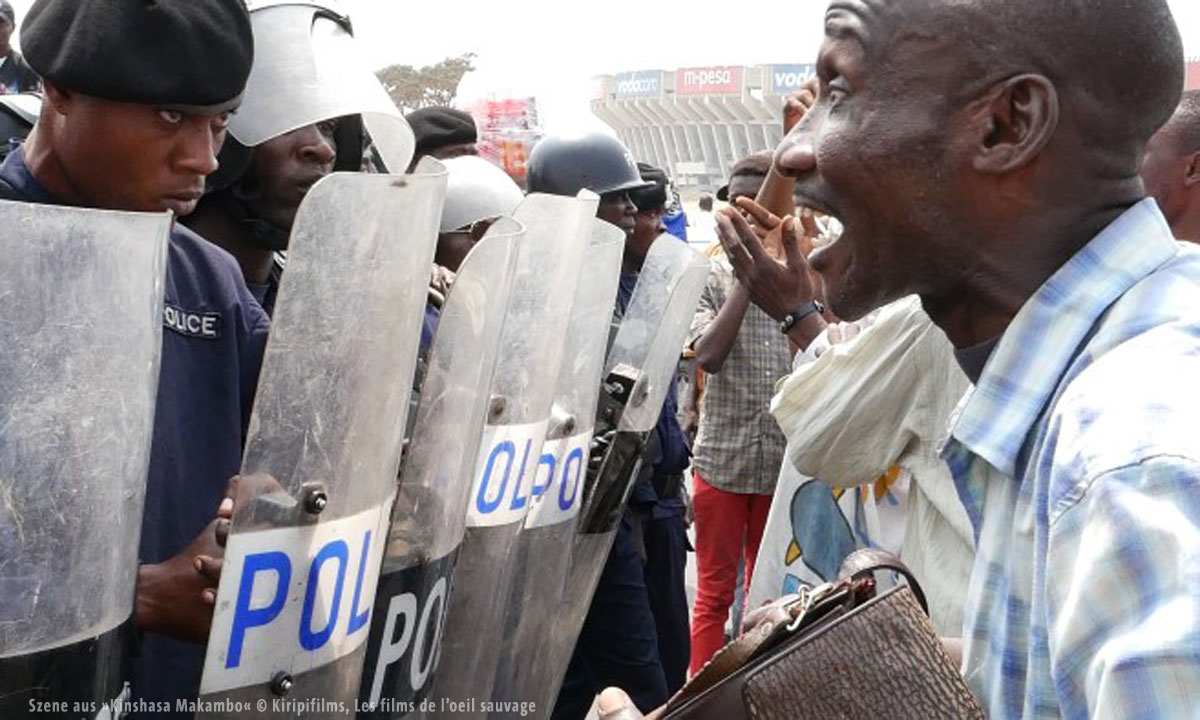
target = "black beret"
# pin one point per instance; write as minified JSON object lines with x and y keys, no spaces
{"x":187,"y":54}
{"x":437,"y":127}
{"x":756,"y":165}
{"x":654,"y":196}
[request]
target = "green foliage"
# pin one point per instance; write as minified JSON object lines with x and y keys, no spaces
{"x":414,"y":88}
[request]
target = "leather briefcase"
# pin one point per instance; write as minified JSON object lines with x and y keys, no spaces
{"x":835,"y":651}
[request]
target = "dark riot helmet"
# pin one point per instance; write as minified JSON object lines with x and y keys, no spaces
{"x":308,"y":69}
{"x":566,"y":164}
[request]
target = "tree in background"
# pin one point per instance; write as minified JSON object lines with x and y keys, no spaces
{"x":414,"y":88}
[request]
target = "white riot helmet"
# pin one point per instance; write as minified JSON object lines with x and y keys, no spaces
{"x":308,"y":68}
{"x":476,"y":190}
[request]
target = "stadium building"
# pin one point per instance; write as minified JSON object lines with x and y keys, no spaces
{"x":697,"y":122}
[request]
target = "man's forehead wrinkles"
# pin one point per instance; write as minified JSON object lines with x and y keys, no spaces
{"x":846,"y":11}
{"x":849,"y":19}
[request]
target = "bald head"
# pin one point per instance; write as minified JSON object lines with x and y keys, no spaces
{"x":1182,"y":131}
{"x":1019,"y":124}
{"x":1171,"y":168}
{"x":1117,"y":65}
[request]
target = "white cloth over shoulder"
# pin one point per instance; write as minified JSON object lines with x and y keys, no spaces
{"x":867,"y":417}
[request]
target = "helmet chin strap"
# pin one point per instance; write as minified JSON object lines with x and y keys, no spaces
{"x":263,"y":234}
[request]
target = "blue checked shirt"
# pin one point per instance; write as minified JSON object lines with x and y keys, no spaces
{"x":1078,"y":459}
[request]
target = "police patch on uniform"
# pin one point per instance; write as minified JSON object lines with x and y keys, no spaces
{"x":192,"y":324}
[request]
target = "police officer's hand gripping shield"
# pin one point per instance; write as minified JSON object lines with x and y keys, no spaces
{"x":319,"y":472}
{"x":81,"y":307}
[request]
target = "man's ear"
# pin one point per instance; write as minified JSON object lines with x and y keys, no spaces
{"x":1192,"y":177}
{"x":1015,"y":120}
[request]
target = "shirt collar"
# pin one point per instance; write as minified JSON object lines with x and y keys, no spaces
{"x":1038,"y":346}
{"x":16,"y":173}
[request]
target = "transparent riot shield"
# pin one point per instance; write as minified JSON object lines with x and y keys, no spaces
{"x":82,"y":313}
{"x":643,"y":357}
{"x":544,"y":546}
{"x":437,"y":474}
{"x":309,"y":68}
{"x":323,"y":449}
{"x":532,"y":345}
{"x":18,"y":113}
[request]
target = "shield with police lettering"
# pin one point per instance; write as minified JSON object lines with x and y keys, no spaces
{"x":644,"y":355}
{"x":312,"y":506}
{"x":437,"y":474}
{"x":81,"y":307}
{"x":308,"y":68}
{"x":544,"y":545}
{"x":532,"y":346}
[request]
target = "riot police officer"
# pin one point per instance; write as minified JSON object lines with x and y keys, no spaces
{"x":663,"y":511}
{"x":302,"y":118}
{"x":619,"y":640}
{"x":251,"y":216}
{"x":137,"y":100}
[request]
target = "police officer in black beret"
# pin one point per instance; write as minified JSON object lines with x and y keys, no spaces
{"x":443,"y":133}
{"x":15,"y":74}
{"x":137,"y":96}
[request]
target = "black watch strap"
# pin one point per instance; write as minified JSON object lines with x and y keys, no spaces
{"x":795,"y":316}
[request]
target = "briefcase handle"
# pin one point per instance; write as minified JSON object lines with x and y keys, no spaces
{"x":870,"y":560}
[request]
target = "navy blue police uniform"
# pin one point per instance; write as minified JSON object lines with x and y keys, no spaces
{"x":663,"y":516}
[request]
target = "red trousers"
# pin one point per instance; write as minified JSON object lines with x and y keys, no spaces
{"x":728,"y":525}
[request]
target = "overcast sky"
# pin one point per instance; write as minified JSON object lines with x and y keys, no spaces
{"x":551,"y":48}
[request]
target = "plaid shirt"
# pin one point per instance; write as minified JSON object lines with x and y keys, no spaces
{"x":1078,"y":460}
{"x":739,"y":446}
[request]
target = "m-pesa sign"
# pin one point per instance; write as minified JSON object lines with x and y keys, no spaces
{"x":696,"y":81}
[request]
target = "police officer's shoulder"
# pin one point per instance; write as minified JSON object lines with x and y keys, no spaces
{"x":186,"y":54}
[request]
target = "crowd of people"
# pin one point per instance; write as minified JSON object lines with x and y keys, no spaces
{"x":951,"y":317}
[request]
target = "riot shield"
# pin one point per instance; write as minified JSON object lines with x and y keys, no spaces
{"x":309,"y":68}
{"x":643,"y":357}
{"x":435,"y":478}
{"x":82,"y":313}
{"x":532,"y":342}
{"x":323,"y":448}
{"x":18,"y":113}
{"x":544,"y":546}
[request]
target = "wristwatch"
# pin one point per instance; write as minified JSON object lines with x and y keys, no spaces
{"x":795,"y":316}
